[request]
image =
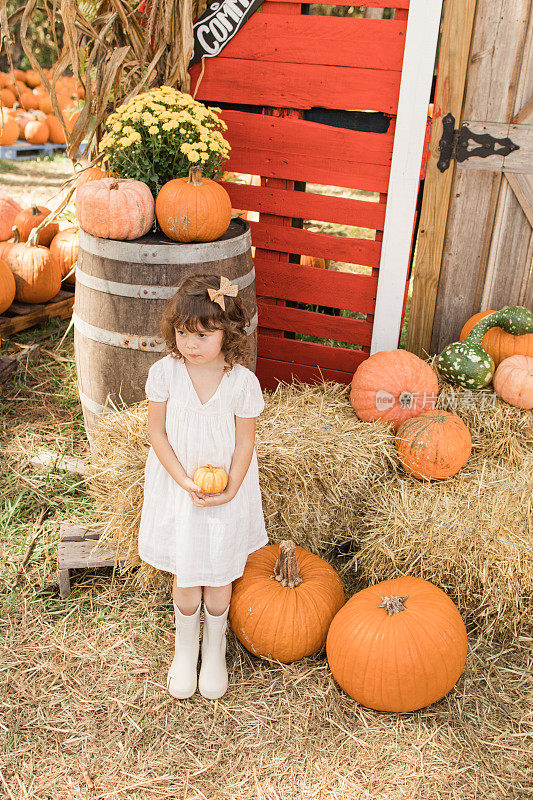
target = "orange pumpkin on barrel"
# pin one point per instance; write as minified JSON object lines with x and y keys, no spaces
{"x":193,"y":209}
{"x":115,"y":209}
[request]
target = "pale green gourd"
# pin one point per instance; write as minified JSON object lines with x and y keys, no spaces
{"x":467,"y":363}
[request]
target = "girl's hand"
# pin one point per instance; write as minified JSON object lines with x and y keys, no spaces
{"x":210,"y":500}
{"x":189,"y":485}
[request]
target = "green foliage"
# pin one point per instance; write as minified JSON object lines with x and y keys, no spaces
{"x":160,"y":134}
{"x":45,"y":34}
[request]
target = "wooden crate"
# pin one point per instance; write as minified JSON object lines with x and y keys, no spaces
{"x":21,"y":316}
{"x":287,"y":84}
{"x":78,"y":548}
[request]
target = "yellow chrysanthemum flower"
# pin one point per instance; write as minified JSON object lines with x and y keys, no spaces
{"x":193,"y":156}
{"x":153,"y":129}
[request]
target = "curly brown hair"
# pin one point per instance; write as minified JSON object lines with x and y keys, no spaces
{"x":191,"y":309}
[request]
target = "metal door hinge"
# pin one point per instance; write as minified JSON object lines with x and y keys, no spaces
{"x":454,"y":144}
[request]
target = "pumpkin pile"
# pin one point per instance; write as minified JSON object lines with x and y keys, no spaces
{"x":32,"y":273}
{"x":27,"y":111}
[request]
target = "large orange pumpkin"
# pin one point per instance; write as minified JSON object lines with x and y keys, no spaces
{"x":7,"y":286}
{"x":9,"y":131}
{"x":57,"y":134}
{"x":8,"y":97}
{"x":29,"y":101}
{"x":393,"y":385}
{"x":115,"y":209}
{"x":283,"y":604}
{"x":397,"y":646}
{"x":513,"y":381}
{"x":497,"y":343}
{"x":193,"y":209}
{"x":30,"y":218}
{"x":36,"y":271}
{"x":9,"y":209}
{"x":64,"y":246}
{"x":37,"y":132}
{"x":435,"y":444}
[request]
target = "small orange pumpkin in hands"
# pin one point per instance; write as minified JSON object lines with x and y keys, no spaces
{"x":211,"y":480}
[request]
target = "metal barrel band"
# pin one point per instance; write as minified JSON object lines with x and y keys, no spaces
{"x":171,"y":253}
{"x":144,"y":292}
{"x":151,"y":344}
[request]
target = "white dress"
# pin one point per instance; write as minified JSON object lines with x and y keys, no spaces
{"x":201,"y":546}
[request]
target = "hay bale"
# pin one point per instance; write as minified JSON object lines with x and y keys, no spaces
{"x":472,"y":534}
{"x":317,"y":462}
{"x":334,"y":485}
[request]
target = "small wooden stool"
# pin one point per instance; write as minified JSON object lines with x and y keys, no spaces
{"x":78,"y":548}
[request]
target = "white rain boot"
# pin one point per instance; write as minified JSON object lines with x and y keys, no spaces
{"x":213,"y":680}
{"x":182,"y":675}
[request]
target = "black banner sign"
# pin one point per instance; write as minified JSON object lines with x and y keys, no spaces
{"x":219,"y":24}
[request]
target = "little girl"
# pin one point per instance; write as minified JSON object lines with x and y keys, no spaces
{"x":202,"y":409}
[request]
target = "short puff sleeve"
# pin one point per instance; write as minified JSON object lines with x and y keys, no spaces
{"x":249,"y":399}
{"x":157,"y":384}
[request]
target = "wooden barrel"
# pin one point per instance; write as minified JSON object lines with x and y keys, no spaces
{"x":121,"y":290}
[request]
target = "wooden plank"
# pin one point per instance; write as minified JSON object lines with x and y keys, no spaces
{"x":11,"y":325}
{"x":310,"y":353}
{"x":263,"y":83}
{"x":499,"y":82}
{"x":295,"y":149}
{"x":296,"y":240}
{"x":305,"y":205}
{"x":72,"y":532}
{"x":453,"y":62}
{"x":522,"y":186}
{"x":459,"y":292}
{"x":327,"y":41}
{"x":271,"y":372}
{"x":509,"y":246}
{"x":417,"y":73}
{"x":86,"y":554}
{"x":326,"y":326}
{"x":520,"y":161}
{"x":315,"y":286}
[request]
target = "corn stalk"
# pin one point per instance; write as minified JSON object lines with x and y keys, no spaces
{"x":113,"y":50}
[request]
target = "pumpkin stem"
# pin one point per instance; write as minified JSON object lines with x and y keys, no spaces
{"x":114,"y":185}
{"x":406,"y":399}
{"x":16,"y":234}
{"x":393,"y":604}
{"x":35,"y":210}
{"x":195,"y":176}
{"x":286,"y":567}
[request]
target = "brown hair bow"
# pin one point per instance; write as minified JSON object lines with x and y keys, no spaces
{"x":226,"y":289}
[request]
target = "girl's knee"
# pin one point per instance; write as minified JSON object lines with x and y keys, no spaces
{"x":186,"y":598}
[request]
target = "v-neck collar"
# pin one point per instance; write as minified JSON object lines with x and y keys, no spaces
{"x":194,"y":389}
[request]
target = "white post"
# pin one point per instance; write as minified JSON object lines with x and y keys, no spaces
{"x":417,"y":73}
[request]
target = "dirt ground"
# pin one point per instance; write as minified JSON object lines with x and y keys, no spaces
{"x":35,"y":181}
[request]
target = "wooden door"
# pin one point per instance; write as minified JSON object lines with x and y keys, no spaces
{"x":485,"y":261}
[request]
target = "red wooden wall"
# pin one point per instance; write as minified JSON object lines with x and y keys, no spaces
{"x":284,"y":62}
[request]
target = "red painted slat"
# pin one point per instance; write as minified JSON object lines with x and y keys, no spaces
{"x":310,"y":353}
{"x":370,"y":4}
{"x":328,"y":41}
{"x":315,"y":286}
{"x":305,"y":205}
{"x":296,"y":320}
{"x":296,"y":240}
{"x":270,"y":373}
{"x":264,"y":83}
{"x":295,"y":149}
